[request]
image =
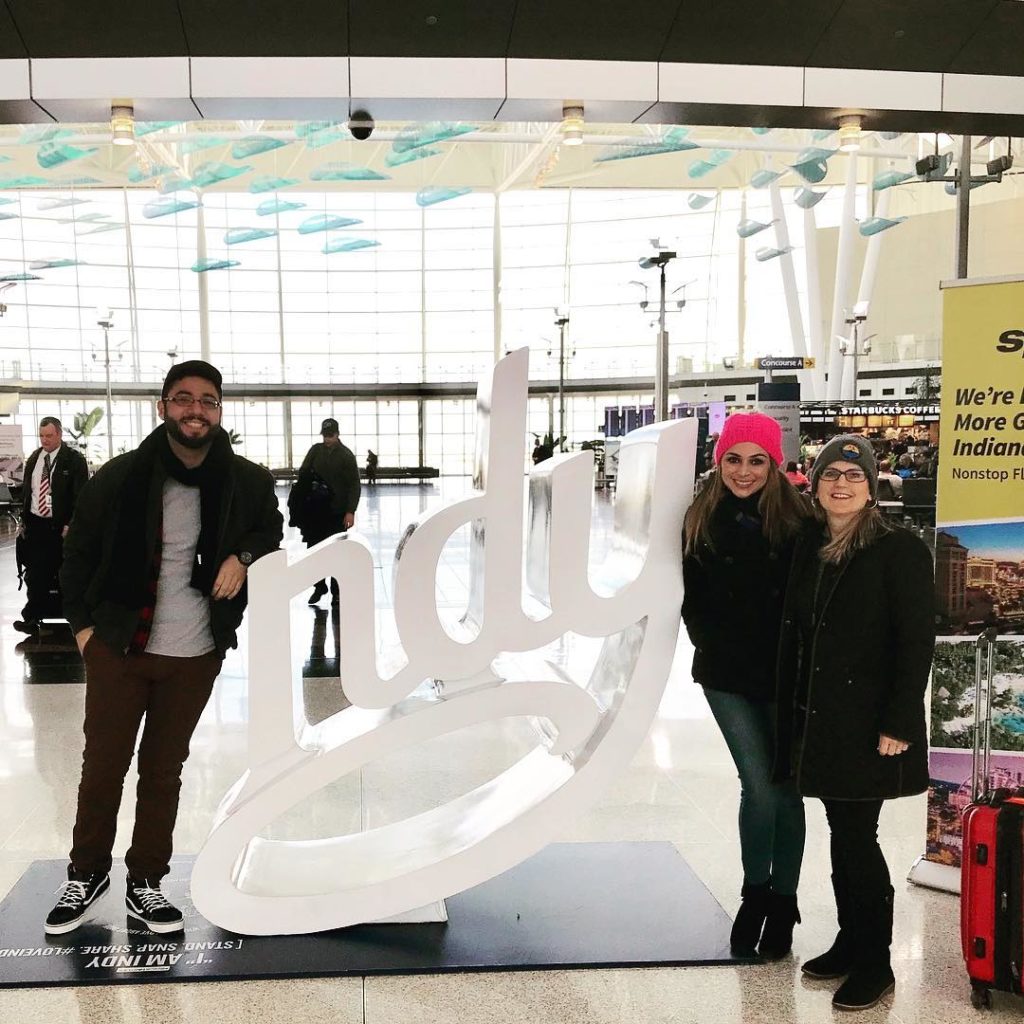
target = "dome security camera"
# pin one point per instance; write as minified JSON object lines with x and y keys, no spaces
{"x":361,"y":125}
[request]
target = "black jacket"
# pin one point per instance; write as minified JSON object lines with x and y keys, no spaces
{"x":869,"y":657}
{"x":337,"y":467}
{"x":732,"y":603}
{"x":69,"y":474}
{"x":249,"y":521}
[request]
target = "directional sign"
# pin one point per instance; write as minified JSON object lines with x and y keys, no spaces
{"x":784,"y":363}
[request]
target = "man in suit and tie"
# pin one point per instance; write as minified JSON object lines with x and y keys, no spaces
{"x":54,"y":476}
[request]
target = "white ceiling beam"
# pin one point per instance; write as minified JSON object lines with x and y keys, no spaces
{"x":240,"y":88}
{"x":16,"y":104}
{"x":429,"y":88}
{"x":81,"y":89}
{"x":610,"y":90}
{"x":996,"y":94}
{"x":860,"y":89}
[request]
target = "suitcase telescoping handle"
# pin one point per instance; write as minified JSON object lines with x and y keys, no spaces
{"x":984,"y":651}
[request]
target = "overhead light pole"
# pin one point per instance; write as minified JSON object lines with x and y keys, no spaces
{"x":660,"y":260}
{"x":561,"y":322}
{"x":856,"y":346}
{"x":105,"y":319}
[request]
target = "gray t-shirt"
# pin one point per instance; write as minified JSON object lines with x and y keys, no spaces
{"x":181,"y":619}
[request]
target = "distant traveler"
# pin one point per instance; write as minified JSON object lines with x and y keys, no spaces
{"x":54,"y":477}
{"x":795,"y":477}
{"x":325,"y":497}
{"x":890,"y":484}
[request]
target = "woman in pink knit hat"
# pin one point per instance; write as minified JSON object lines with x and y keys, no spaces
{"x":739,"y":536}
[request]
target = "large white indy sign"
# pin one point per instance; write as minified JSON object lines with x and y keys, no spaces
{"x":587,"y":729}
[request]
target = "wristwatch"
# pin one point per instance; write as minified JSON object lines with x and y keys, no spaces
{"x":245,"y":557}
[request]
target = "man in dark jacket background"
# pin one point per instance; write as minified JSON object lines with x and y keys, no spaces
{"x":54,"y":477}
{"x":154,"y":582}
{"x":325,"y":497}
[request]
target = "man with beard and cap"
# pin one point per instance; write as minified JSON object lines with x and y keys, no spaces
{"x":154,"y":584}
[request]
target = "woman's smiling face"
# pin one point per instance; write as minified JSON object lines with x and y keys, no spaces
{"x":842,"y":496}
{"x":745,"y":468}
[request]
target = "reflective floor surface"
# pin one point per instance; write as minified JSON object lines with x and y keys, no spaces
{"x":681,"y":787}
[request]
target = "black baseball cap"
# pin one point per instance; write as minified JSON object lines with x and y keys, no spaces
{"x":329,"y":426}
{"x":193,"y":368}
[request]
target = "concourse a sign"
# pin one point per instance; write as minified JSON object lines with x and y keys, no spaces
{"x":979,"y":556}
{"x":784,"y":363}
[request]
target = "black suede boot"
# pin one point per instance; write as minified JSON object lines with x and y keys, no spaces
{"x":777,"y":937}
{"x":871,"y":977}
{"x":838,"y":959}
{"x":746,"y":929}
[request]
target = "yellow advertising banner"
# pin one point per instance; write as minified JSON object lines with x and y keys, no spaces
{"x":979,"y":558}
{"x":981,"y":441}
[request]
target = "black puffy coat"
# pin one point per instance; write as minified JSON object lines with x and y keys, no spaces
{"x":870,"y":657}
{"x":732,"y":602}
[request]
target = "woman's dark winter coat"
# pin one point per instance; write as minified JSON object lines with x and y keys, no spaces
{"x":870,"y":656}
{"x":732,"y":602}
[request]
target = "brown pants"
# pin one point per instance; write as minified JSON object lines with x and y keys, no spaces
{"x":120,"y":689}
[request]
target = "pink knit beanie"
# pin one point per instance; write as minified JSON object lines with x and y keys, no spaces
{"x":755,"y":427}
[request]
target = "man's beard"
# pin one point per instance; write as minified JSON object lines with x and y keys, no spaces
{"x":195,"y":443}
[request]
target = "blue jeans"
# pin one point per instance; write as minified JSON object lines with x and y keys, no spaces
{"x":771,"y":818}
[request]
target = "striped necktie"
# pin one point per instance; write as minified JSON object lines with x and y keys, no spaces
{"x":45,"y":508}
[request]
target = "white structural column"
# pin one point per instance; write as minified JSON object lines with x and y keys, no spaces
{"x":815,"y":379}
{"x":796,"y":320}
{"x":204,"y":288}
{"x":843,"y":294}
{"x":867,"y":287}
{"x":496,"y":279}
{"x":741,"y":280}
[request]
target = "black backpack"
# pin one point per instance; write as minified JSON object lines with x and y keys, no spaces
{"x":310,"y":499}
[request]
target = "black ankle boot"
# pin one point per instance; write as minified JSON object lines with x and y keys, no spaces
{"x":835,"y":962}
{"x":777,"y":937}
{"x":871,"y":976}
{"x":746,"y":929}
{"x":865,"y":987}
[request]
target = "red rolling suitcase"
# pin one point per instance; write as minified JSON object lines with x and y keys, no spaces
{"x":992,"y":871}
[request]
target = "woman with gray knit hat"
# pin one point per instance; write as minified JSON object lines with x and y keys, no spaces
{"x":739,"y":535}
{"x":855,"y":652}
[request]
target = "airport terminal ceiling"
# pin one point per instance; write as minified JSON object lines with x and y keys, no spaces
{"x":960,"y":36}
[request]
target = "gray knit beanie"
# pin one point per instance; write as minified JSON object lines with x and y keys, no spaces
{"x":851,"y":448}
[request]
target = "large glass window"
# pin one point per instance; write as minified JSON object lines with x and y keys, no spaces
{"x":389,"y":293}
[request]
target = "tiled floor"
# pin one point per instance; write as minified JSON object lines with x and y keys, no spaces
{"x":681,"y":788}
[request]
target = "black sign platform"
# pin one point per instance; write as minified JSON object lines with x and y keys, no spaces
{"x":572,"y":905}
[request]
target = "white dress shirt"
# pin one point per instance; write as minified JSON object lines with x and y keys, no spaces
{"x":37,"y":476}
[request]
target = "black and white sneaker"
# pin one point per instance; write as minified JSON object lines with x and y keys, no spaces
{"x":146,"y":902}
{"x":76,"y":897}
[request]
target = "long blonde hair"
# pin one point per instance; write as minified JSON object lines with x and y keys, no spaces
{"x":782,"y":510}
{"x":869,"y":525}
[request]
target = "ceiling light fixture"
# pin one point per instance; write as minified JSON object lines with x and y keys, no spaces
{"x":572,"y":124}
{"x":122,"y":124}
{"x":849,"y":133}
